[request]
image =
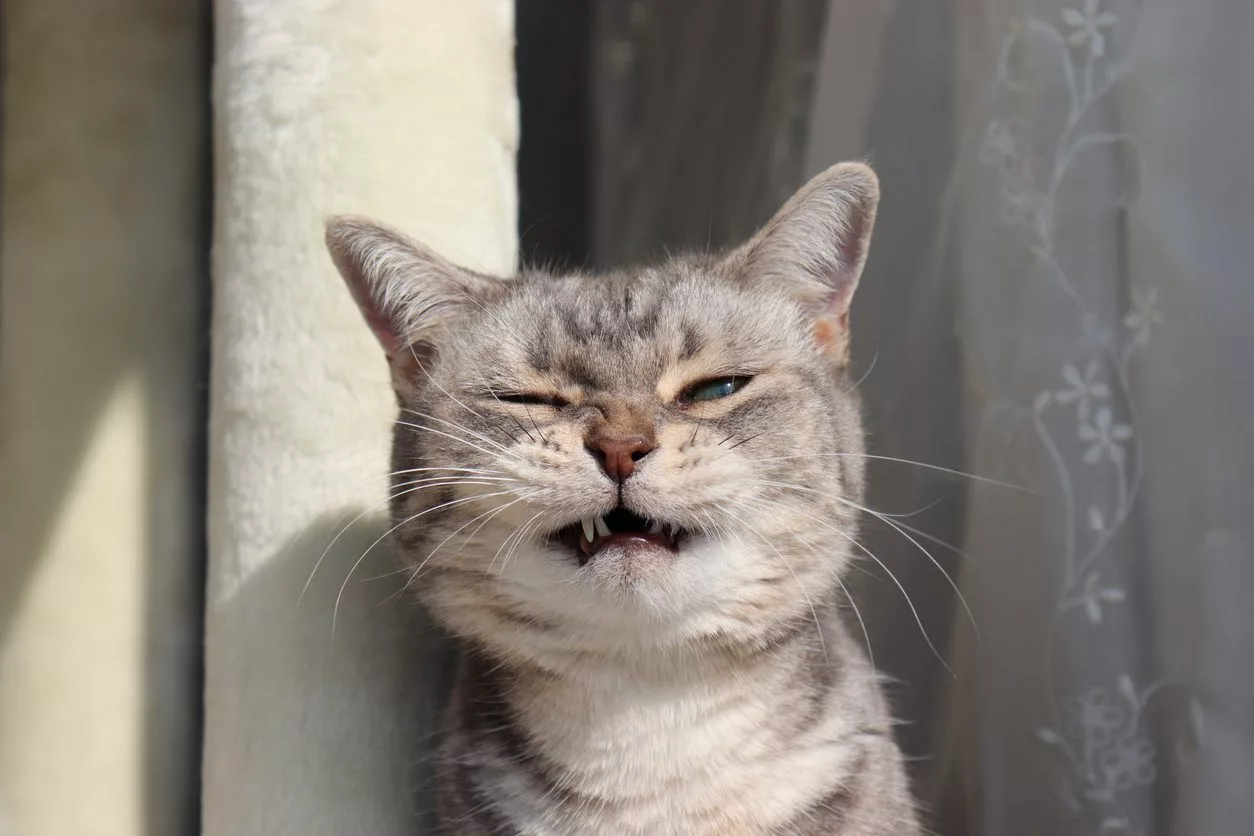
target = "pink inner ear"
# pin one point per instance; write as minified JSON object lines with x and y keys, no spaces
{"x":849,"y":249}
{"x":831,"y":334}
{"x":840,"y":296}
{"x":385,"y":332}
{"x":405,"y":358}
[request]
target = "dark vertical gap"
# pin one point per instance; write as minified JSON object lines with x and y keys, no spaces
{"x":200,"y":471}
{"x":552,"y":61}
{"x":161,"y":812}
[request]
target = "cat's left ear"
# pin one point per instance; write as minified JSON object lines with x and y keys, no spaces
{"x":409,"y":296}
{"x":816,"y":247}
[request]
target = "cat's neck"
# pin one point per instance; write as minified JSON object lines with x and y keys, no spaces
{"x":744,"y":733}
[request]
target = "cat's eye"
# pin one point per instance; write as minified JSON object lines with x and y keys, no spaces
{"x":532,"y":399}
{"x":713,"y":389}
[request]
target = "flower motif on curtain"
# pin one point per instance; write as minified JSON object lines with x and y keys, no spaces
{"x":1105,"y":438}
{"x":1088,"y":23}
{"x":1086,"y":425}
{"x":1084,"y":388}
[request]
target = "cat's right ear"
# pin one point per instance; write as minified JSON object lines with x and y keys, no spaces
{"x":408,"y":295}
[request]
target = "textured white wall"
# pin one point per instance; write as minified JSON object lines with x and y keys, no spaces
{"x":402,"y":111}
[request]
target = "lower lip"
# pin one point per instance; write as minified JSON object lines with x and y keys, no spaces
{"x":627,"y":541}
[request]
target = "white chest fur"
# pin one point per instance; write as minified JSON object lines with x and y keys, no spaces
{"x":718,"y":754}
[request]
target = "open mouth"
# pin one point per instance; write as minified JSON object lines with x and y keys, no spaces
{"x":619,"y":527}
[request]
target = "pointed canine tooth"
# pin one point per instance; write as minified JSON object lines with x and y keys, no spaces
{"x":589,"y":530}
{"x":656,"y":529}
{"x":602,"y":528}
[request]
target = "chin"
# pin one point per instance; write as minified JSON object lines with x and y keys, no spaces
{"x":639,"y":595}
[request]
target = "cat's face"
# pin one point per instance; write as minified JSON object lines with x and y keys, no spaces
{"x":651,"y":458}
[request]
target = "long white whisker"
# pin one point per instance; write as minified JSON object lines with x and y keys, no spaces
{"x":526,"y":532}
{"x":420,"y":484}
{"x":835,"y":574}
{"x":490,"y":513}
{"x":456,"y":426}
{"x":917,"y":619}
{"x":918,"y":532}
{"x":473,"y":470}
{"x":436,"y":383}
{"x":919,"y":546}
{"x":865,"y":374}
{"x":924,"y":465}
{"x":517,"y":533}
{"x":490,"y":453}
{"x":336,"y":611}
{"x":800,"y":586}
{"x":830,"y":494}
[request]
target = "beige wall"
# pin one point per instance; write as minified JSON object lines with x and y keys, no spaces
{"x":101,"y":279}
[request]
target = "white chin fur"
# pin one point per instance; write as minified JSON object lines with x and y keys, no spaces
{"x":635,"y":590}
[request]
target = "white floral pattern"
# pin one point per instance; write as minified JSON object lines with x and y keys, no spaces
{"x":1100,"y":735}
{"x":1088,"y":23}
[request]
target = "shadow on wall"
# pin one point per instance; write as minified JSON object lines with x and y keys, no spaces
{"x":305,"y":665}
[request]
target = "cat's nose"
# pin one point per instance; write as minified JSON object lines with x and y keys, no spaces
{"x":618,"y":454}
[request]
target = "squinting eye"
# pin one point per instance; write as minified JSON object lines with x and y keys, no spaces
{"x":532,"y":399}
{"x":711,"y":390}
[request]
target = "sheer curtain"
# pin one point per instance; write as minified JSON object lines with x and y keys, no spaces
{"x":1061,"y":299}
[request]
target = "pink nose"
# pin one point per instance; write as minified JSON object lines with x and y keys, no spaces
{"x":618,"y":454}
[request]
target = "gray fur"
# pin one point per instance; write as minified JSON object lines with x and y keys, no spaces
{"x":715,"y":691}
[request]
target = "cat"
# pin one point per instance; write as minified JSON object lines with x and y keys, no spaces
{"x":632,"y":496}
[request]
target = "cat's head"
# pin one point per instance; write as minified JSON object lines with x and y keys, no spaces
{"x":661,"y":457}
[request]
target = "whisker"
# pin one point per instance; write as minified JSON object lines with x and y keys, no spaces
{"x":918,"y":532}
{"x":456,"y":426}
{"x":513,"y":417}
{"x":526,"y":532}
{"x":925,"y":465}
{"x":828,"y":494}
{"x":436,"y":383}
{"x":744,"y":441}
{"x":865,"y":374}
{"x":919,"y":546}
{"x":489,"y":514}
{"x":419,"y":485}
{"x":336,"y":611}
{"x":835,"y":575}
{"x":866,"y":635}
{"x":502,"y":452}
{"x":484,"y":471}
{"x":896,"y":582}
{"x":818,"y":627}
{"x":532,"y":419}
{"x":801,"y":587}
{"x":506,"y":542}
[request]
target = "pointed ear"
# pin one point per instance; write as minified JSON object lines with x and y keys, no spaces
{"x":408,"y":295}
{"x":816,"y":246}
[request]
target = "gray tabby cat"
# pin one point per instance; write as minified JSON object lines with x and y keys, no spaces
{"x":632,"y":496}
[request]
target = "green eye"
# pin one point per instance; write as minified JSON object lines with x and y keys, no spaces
{"x":713,"y":389}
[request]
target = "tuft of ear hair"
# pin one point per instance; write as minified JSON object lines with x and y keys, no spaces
{"x":408,"y":295}
{"x":816,"y":247}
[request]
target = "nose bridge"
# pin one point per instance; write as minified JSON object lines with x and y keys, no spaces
{"x":621,"y":436}
{"x":619,"y":418}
